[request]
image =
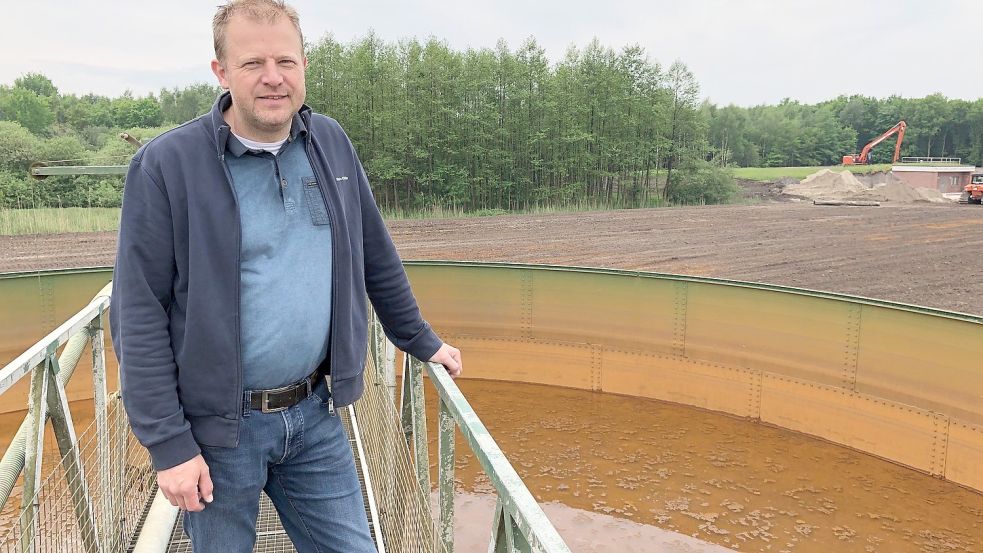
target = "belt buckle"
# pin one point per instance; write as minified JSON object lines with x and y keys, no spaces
{"x":265,"y":402}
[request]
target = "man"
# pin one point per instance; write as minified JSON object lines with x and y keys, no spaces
{"x":248,"y":241}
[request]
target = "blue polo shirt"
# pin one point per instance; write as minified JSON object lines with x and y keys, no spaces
{"x":285,"y":262}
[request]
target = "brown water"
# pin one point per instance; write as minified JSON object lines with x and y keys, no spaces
{"x":724,"y":480}
{"x":82,"y":415}
{"x":614,"y":470}
{"x":583,"y":531}
{"x":616,"y":473}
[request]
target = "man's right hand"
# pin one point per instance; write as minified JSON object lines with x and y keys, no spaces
{"x":187,"y":485}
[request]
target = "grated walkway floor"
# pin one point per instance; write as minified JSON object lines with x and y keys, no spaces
{"x":270,"y":536}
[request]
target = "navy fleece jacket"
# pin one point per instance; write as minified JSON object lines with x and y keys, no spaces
{"x":175,"y":309}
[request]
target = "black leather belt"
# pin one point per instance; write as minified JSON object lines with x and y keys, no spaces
{"x":279,"y":399}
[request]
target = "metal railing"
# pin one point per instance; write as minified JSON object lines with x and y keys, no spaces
{"x":948,"y":160}
{"x":102,"y":489}
{"x":47,"y":399}
{"x":43,"y":171}
{"x":94,"y":496}
{"x":519,"y":525}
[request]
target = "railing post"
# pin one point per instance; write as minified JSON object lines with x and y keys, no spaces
{"x":506,"y":535}
{"x":374,"y":340}
{"x":406,"y":427}
{"x":100,"y":398}
{"x":34,"y":449}
{"x":413,"y":417}
{"x":383,"y":354}
{"x":64,"y":430}
{"x":421,"y":455}
{"x":503,"y":531}
{"x":117,"y":468}
{"x":406,"y":402}
{"x":445,"y":474}
{"x":389,"y":367}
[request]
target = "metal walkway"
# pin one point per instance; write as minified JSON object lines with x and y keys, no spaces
{"x":99,"y":493}
{"x":270,"y":536}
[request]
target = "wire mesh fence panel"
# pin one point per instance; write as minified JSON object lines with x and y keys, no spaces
{"x":97,"y":508}
{"x":405,"y":517}
{"x":99,"y":502}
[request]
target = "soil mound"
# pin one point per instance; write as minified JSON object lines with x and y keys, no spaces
{"x":828,"y":185}
{"x":896,"y":191}
{"x":845,"y":186}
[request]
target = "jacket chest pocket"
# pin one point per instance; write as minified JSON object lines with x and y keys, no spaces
{"x":315,"y":202}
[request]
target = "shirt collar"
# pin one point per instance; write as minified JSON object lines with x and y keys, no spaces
{"x":298,"y":130}
{"x":220,"y":128}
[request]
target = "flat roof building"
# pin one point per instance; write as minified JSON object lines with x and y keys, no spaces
{"x":947,"y":179}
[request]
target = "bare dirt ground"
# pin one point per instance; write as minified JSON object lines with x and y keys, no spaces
{"x":929,"y":255}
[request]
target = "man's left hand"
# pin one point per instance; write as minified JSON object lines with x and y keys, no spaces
{"x":450,"y":357}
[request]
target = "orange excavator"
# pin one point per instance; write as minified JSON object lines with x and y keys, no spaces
{"x":864,"y":157}
{"x":973,"y":192}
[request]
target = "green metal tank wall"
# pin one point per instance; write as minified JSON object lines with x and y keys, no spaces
{"x":32,"y":305}
{"x":900,"y":382}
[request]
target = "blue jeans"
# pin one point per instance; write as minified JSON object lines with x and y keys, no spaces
{"x":301,"y":459}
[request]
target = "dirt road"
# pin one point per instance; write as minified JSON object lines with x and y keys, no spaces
{"x":921,"y":254}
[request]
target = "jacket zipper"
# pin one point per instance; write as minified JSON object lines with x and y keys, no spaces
{"x":235,"y":197}
{"x":334,"y":270}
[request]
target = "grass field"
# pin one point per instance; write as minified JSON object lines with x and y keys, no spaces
{"x":15,"y":222}
{"x":771,"y":174}
{"x":56,"y":220}
{"x":76,"y":219}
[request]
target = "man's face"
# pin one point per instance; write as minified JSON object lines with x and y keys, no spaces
{"x":264,"y":70}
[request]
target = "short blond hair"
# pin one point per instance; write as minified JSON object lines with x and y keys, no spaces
{"x":258,"y":10}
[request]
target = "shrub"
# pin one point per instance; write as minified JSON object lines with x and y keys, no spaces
{"x":16,"y":190}
{"x":59,"y":148}
{"x":18,"y":147}
{"x":699,"y":182}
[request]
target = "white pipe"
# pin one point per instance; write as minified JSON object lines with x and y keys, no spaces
{"x":158,"y":526}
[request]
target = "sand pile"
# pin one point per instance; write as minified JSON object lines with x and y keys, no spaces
{"x":844,"y":186}
{"x":828,"y":185}
{"x":896,"y":191}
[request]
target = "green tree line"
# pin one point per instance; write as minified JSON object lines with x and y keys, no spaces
{"x":793,"y":134}
{"x":480,"y":129}
{"x":37,"y":123}
{"x":493,"y":128}
{"x":506,"y":129}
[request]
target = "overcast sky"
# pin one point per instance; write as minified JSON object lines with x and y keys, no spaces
{"x":742,"y":52}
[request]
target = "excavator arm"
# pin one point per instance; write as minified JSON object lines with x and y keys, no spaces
{"x":898,"y":129}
